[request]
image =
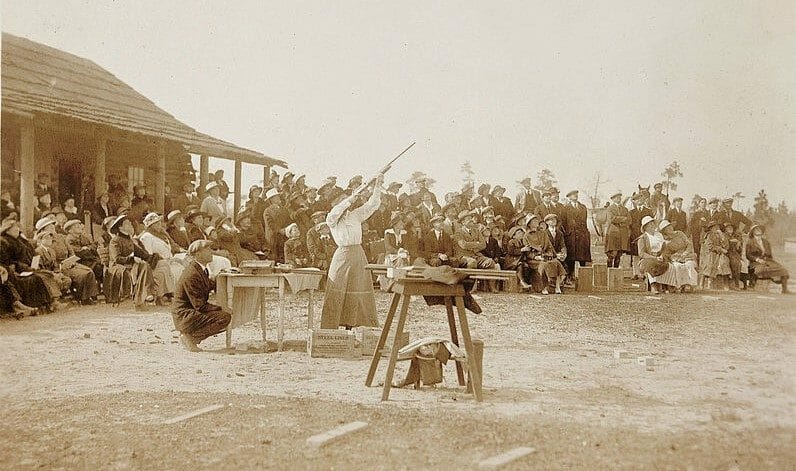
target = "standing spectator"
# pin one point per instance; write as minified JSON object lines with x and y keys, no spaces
{"x":677,"y":216}
{"x":576,"y":234}
{"x":618,"y":234}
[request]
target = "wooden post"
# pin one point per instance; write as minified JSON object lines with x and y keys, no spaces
{"x":204,"y":165}
{"x":266,"y":177}
{"x":160,"y":179}
{"x":27,"y":133}
{"x":100,"y":185}
{"x":236,"y":199}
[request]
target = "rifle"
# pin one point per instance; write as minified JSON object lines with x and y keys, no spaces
{"x":384,"y":170}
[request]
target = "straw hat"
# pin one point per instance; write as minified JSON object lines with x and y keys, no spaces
{"x":646,"y":220}
{"x":151,"y":218}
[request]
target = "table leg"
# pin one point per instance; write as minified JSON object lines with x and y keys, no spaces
{"x":262,"y":315}
{"x":281,"y":331}
{"x":385,"y":394}
{"x":454,"y":337}
{"x":468,"y":346}
{"x":229,"y":337}
{"x":385,"y":331}
{"x":311,"y":310}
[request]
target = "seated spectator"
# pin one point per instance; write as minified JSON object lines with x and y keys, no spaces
{"x":679,"y":252}
{"x":81,"y":246}
{"x":70,"y":209}
{"x":322,"y":247}
{"x":514,"y":253}
{"x":10,"y":301}
{"x":131,"y":268}
{"x":758,"y":251}
{"x":36,"y":289}
{"x":177,"y":230}
{"x":251,"y":239}
{"x":468,"y":243}
{"x":227,"y":238}
{"x":436,"y":245}
{"x":296,"y":253}
{"x":169,"y":266}
{"x":195,"y":224}
{"x":48,"y":263}
{"x":715,"y":262}
{"x":540,"y":258}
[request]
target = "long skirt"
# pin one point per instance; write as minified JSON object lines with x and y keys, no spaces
{"x":769,"y":270}
{"x":349,"y":299}
{"x":669,"y":277}
{"x":685,"y":273}
{"x":715,"y":264}
{"x":84,"y":282}
{"x":33,"y":290}
{"x":118,"y":284}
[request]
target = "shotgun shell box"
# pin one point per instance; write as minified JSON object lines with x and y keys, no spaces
{"x":331,"y":343}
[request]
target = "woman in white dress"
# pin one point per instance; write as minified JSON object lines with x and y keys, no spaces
{"x":660,"y":274}
{"x":679,"y":251}
{"x":349,"y":299}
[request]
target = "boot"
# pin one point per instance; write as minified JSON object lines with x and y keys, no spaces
{"x":784,"y":281}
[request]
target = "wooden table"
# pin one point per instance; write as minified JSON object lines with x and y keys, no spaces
{"x":403,"y":289}
{"x":251,"y":292}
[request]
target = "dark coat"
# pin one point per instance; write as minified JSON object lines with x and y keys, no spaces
{"x":678,"y":219}
{"x":527,"y":201}
{"x":493,"y":250}
{"x":617,"y":237}
{"x":430,"y":246}
{"x":193,"y":291}
{"x":181,"y":238}
{"x":576,"y":233}
{"x":636,"y":215}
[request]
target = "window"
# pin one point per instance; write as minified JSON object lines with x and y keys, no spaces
{"x":135,"y":176}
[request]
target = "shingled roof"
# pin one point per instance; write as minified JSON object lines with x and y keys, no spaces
{"x":41,"y":79}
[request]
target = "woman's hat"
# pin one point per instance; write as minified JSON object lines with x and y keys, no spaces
{"x":290,"y":227}
{"x":72,"y":222}
{"x":117,"y":223}
{"x":646,"y":220}
{"x":173,"y":215}
{"x":150,"y":219}
{"x":617,"y":193}
{"x":757,"y":226}
{"x":107,"y":221}
{"x":44,"y":222}
{"x":664,"y":224}
{"x":550,"y":217}
{"x":6,"y":224}
{"x":209,"y":230}
{"x":271,"y":193}
{"x":211,"y":185}
{"x":530,"y":217}
{"x":514,"y":230}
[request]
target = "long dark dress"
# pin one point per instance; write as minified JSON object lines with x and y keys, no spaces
{"x":193,"y":315}
{"x":768,"y":268}
{"x":16,"y":253}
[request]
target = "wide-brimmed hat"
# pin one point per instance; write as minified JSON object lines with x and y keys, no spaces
{"x":757,"y":226}
{"x":211,"y":185}
{"x":664,"y":224}
{"x":646,"y":220}
{"x":727,"y":200}
{"x":396,"y":185}
{"x":117,"y":223}
{"x":511,"y":232}
{"x":271,"y":193}
{"x":192,"y":213}
{"x":497,"y":189}
{"x":354,"y":180}
{"x":530,"y":217}
{"x":658,"y":185}
{"x":713,"y":200}
{"x":72,"y":222}
{"x":151,"y":218}
{"x":173,"y":215}
{"x":483,"y":189}
{"x":289,"y":227}
{"x":465,"y":214}
{"x":6,"y":224}
{"x":44,"y":222}
{"x":676,"y":199}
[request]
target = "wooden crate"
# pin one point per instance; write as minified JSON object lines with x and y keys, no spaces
{"x":615,"y":279}
{"x":368,"y":338}
{"x":600,"y":271}
{"x":585,"y":282}
{"x":331,"y":343}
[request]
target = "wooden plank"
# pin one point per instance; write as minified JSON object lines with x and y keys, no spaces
{"x":616,"y":278}
{"x":585,"y":283}
{"x":193,"y":414}
{"x":600,"y":272}
{"x":204,"y":165}
{"x":160,"y":179}
{"x":27,"y":158}
{"x":318,"y":441}
{"x":498,"y":461}
{"x":238,"y":189}
{"x":100,"y":184}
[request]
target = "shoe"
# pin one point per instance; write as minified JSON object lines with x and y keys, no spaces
{"x":525,"y":285}
{"x":189,"y":343}
{"x":149,"y":299}
{"x":545,"y":292}
{"x":558,"y":290}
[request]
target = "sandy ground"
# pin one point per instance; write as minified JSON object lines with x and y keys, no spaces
{"x":90,"y":388}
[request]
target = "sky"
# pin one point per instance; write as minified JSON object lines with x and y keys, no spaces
{"x":619,"y":89}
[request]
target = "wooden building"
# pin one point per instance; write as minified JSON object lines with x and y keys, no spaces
{"x":66,"y":116}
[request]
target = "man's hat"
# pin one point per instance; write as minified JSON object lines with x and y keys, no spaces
{"x":191,"y":213}
{"x":300,"y":181}
{"x":550,"y":217}
{"x":44,"y":222}
{"x":464,"y":214}
{"x":714,"y":222}
{"x":396,"y":185}
{"x":677,"y":198}
{"x":757,"y":226}
{"x":72,"y":222}
{"x":572,"y":192}
{"x":287,"y":176}
{"x":664,"y":224}
{"x":354,"y":180}
{"x":548,"y":192}
{"x":211,"y":185}
{"x":435,"y":219}
{"x":617,"y":193}
{"x":151,"y":218}
{"x":483,"y":189}
{"x":498,"y":189}
{"x":525,"y":181}
{"x":646,"y":220}
{"x":530,"y":217}
{"x":727,"y":200}
{"x":658,"y":185}
{"x":319,"y":214}
{"x":555,"y":190}
{"x":713,"y":200}
{"x":487,"y":209}
{"x":173,"y":215}
{"x":6,"y":224}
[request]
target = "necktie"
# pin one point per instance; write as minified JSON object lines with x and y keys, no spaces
{"x":207,"y":273}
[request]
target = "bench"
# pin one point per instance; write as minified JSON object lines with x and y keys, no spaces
{"x":508,"y":277}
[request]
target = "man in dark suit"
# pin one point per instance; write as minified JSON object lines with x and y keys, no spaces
{"x":736,"y":218}
{"x":193,"y":316}
{"x":503,"y":206}
{"x":186,"y":198}
{"x":677,"y":216}
{"x":436,"y":245}
{"x":547,"y":206}
{"x":528,"y":198}
{"x":428,"y":208}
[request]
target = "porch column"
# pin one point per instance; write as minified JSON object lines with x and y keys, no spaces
{"x":27,"y":162}
{"x":266,"y":176}
{"x":236,"y":204}
{"x":100,"y":185}
{"x":160,"y":179}
{"x":204,"y":166}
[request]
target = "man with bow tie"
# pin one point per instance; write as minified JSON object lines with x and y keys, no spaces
{"x":193,"y":315}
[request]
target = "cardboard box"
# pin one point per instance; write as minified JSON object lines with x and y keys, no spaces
{"x":585,"y":280}
{"x":616,"y":278}
{"x":368,"y":338}
{"x":331,"y":343}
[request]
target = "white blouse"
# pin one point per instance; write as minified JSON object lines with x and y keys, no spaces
{"x":346,"y":226}
{"x":154,"y":244}
{"x":656,"y":241}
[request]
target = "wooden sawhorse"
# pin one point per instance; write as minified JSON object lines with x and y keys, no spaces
{"x":403,"y":289}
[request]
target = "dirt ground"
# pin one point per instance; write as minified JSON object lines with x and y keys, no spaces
{"x":91,"y":387}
